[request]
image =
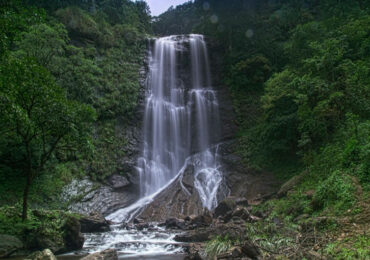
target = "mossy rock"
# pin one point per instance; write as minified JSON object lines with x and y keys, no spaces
{"x":290,"y":184}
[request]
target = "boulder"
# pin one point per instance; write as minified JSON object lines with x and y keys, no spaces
{"x":138,"y":221}
{"x":250,"y":250}
{"x":42,"y":255}
{"x":242,"y":213}
{"x":73,"y":237}
{"x":195,"y":252}
{"x":8,"y":245}
{"x":242,"y":202}
{"x":117,"y":181}
{"x":193,"y":236}
{"x":290,"y":184}
{"x":193,"y":256}
{"x":226,"y":206}
{"x":95,"y":222}
{"x":175,"y":223}
{"x":178,"y":200}
{"x":108,"y":254}
{"x":142,"y":226}
{"x":200,"y":220}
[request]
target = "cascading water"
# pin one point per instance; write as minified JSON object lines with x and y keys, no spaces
{"x":181,"y":129}
{"x":181,"y":123}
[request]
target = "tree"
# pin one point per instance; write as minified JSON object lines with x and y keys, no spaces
{"x":37,"y":120}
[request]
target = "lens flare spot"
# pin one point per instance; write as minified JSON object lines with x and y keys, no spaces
{"x":214,"y":19}
{"x":249,"y":33}
{"x":206,"y":6}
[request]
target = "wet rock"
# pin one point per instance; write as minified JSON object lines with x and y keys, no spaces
{"x":226,"y":206}
{"x":138,"y":221}
{"x":84,"y":196}
{"x":194,"y":256}
{"x":193,"y":236}
{"x":175,"y":223}
{"x":242,"y":202}
{"x":118,"y":181}
{"x":73,"y":237}
{"x":201,"y":220}
{"x":108,"y":254}
{"x":242,"y":213}
{"x":95,"y":222}
{"x":178,"y":200}
{"x":290,"y":184}
{"x":195,"y":252}
{"x":250,"y":250}
{"x":42,"y":255}
{"x":9,"y":245}
{"x":142,"y":226}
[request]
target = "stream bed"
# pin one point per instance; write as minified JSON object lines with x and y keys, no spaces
{"x":151,"y":242}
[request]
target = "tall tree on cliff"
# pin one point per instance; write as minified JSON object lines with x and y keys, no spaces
{"x":36,"y":121}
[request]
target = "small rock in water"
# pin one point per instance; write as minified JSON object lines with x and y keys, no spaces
{"x":72,"y":234}
{"x":108,"y":254}
{"x":138,"y":221}
{"x":142,"y":226}
{"x":94,"y":223}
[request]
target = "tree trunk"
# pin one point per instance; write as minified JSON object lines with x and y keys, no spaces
{"x":25,"y":196}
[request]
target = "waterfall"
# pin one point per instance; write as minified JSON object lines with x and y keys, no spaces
{"x":181,"y":122}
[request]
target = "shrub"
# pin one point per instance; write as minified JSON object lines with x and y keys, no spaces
{"x":337,"y":191}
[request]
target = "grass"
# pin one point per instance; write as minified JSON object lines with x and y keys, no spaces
{"x":357,"y":247}
{"x":219,"y":245}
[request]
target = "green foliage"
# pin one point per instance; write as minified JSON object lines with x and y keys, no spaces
{"x":79,"y":23}
{"x":14,"y":18}
{"x":269,"y":237}
{"x":337,"y":191}
{"x":350,"y":248}
{"x":218,"y":245}
{"x":41,"y":225}
{"x":11,"y":221}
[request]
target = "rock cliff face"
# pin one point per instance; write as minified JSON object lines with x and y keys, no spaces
{"x":122,"y":187}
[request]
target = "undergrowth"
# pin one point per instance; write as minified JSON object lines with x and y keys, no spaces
{"x":219,"y":245}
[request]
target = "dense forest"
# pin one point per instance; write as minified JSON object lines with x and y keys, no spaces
{"x":298,"y":73}
{"x":69,"y":76}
